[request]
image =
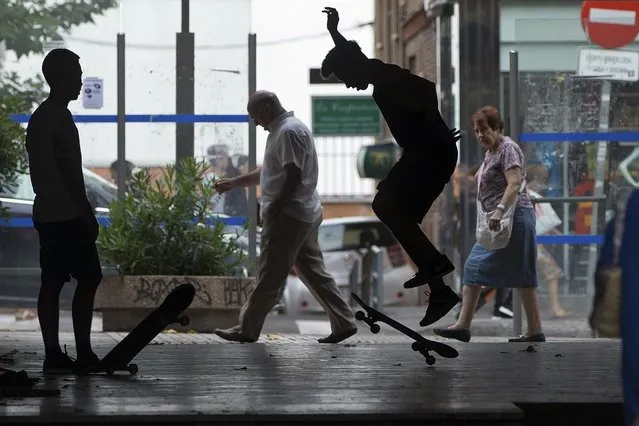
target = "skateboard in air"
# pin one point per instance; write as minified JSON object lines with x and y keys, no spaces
{"x":169,"y":312}
{"x":421,"y":344}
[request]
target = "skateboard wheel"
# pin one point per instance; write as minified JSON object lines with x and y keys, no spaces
{"x":430,"y":360}
{"x":133,"y":368}
{"x":375,"y":328}
{"x":415,"y":346}
{"x":184,"y":321}
{"x":360,"y":315}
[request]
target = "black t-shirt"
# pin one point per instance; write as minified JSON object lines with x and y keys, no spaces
{"x":421,"y":131}
{"x":52,"y":139}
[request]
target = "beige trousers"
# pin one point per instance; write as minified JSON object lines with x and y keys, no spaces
{"x":286,"y":242}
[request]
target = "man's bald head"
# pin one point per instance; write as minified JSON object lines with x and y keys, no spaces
{"x":262,"y":97}
{"x":263,"y":107}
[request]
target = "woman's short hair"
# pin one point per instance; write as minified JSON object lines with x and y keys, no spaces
{"x":340,"y":57}
{"x":488,"y":116}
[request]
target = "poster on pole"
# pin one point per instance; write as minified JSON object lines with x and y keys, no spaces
{"x":92,"y":93}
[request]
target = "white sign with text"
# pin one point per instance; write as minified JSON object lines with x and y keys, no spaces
{"x":620,"y":65}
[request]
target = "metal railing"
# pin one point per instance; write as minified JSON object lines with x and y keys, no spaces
{"x":369,"y":283}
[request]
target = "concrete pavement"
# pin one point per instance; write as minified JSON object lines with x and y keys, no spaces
{"x":317,"y":324}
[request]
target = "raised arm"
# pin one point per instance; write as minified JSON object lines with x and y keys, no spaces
{"x":332,"y":19}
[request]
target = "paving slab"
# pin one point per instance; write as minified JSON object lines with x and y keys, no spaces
{"x":287,"y":379}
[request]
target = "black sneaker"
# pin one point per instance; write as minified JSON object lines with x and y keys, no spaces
{"x":426,"y":274}
{"x":58,"y":363}
{"x":86,"y":365}
{"x":439,"y":304}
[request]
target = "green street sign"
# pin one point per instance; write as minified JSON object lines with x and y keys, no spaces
{"x":375,"y":161}
{"x":345,"y":116}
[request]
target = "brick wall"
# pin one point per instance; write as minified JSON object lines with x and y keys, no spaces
{"x":420,"y":56}
{"x":410,"y":7}
{"x":346,"y":209}
{"x":420,"y":45}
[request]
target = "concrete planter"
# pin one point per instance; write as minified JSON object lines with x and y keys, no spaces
{"x":124,"y":301}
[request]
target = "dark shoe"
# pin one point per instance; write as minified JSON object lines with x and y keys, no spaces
{"x":461,"y":335}
{"x":439,"y":304}
{"x":532,"y":338}
{"x":58,"y":363}
{"x":426,"y":274}
{"x":86,"y":365}
{"x":232,"y":335}
{"x":338,"y":337}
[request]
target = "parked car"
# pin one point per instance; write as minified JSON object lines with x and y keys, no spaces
{"x":19,"y":252}
{"x":343,"y":241}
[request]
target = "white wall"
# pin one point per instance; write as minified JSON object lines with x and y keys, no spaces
{"x":291,"y":37}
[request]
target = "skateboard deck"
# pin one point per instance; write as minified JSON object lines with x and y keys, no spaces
{"x":422,"y":345}
{"x":176,"y":302}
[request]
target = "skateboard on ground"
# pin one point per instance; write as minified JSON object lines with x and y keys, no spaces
{"x":167,"y":313}
{"x":421,"y":344}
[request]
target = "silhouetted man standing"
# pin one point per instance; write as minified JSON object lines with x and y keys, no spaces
{"x":409,"y":106}
{"x":66,"y":224}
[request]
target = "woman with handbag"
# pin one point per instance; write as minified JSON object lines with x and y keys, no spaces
{"x":505,"y":253}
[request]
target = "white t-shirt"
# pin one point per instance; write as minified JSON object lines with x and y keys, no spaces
{"x":52,"y":135}
{"x":291,"y":141}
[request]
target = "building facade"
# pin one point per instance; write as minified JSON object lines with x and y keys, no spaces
{"x":464,"y":45}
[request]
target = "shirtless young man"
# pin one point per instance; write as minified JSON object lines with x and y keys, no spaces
{"x":410,"y":108}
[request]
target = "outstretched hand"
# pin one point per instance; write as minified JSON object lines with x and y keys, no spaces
{"x":456,"y":134}
{"x":332,"y":18}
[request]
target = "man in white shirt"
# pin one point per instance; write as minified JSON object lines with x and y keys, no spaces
{"x":291,"y":213}
{"x":65,"y":221}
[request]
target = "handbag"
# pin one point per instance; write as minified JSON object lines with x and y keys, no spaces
{"x":547,"y":218}
{"x":487,"y":238}
{"x":605,"y":319}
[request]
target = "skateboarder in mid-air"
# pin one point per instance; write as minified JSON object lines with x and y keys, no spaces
{"x":65,"y":221}
{"x":410,"y":108}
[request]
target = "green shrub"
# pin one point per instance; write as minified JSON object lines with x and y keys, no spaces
{"x":160,"y":229}
{"x":13,"y":153}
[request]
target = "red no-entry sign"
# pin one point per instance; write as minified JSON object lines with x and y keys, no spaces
{"x":611,"y":24}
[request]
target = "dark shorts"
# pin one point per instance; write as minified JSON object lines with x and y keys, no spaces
{"x":417,"y":184}
{"x":67,"y":250}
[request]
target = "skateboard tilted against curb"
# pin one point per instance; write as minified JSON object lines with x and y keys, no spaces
{"x":422,"y":345}
{"x":169,"y":312}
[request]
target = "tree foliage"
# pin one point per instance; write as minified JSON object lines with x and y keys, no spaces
{"x":25,"y":27}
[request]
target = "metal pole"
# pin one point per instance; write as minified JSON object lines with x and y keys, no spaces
{"x":602,"y":151}
{"x":566,"y":194}
{"x":184,"y":86}
{"x":121,"y":96}
{"x":377,"y":278}
{"x":514,"y":131}
{"x":252,"y":154}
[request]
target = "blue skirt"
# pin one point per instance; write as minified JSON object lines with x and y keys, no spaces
{"x":514,"y":266}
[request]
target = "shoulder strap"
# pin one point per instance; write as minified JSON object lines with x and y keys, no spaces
{"x":478,"y":175}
